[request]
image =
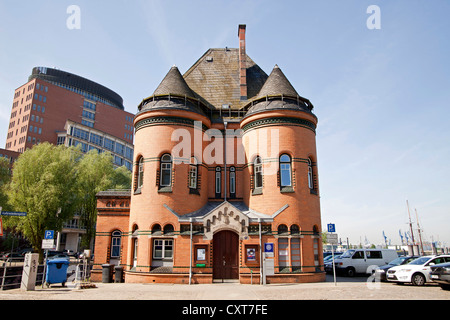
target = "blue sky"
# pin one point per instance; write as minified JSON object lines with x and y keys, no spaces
{"x":382,"y":96}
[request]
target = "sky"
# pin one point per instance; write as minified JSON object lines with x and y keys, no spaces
{"x":382,"y":95}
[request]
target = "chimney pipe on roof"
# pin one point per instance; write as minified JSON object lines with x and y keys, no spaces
{"x":242,"y":62}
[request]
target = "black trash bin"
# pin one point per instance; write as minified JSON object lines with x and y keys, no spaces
{"x":118,"y":274}
{"x":107,"y":273}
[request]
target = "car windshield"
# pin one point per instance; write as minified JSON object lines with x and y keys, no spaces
{"x":347,"y":254}
{"x":398,"y":261}
{"x":420,"y":260}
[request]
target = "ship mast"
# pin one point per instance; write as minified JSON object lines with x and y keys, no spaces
{"x":420,"y":235}
{"x":410,"y":224}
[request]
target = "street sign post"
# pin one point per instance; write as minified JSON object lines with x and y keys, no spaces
{"x":332,"y":238}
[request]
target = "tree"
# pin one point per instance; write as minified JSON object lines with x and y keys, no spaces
{"x":5,"y":177}
{"x":96,"y":173}
{"x":43,"y":185}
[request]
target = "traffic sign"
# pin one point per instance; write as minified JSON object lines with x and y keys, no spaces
{"x":48,"y":244}
{"x":48,"y":234}
{"x":331,"y":227}
{"x":332,"y":238}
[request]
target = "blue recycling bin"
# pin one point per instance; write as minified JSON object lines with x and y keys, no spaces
{"x":56,"y":271}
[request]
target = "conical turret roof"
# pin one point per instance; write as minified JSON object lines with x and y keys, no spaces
{"x":277,"y":84}
{"x":173,"y":83}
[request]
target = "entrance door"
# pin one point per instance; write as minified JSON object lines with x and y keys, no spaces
{"x":226,"y":255}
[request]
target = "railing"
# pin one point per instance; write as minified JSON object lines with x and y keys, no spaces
{"x":11,"y":273}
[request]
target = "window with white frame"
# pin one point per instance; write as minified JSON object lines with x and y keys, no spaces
{"x":258,"y":172}
{"x":193,"y":173}
{"x":166,"y":170}
{"x":116,"y":237}
{"x":163,"y":249}
{"x":285,"y":171}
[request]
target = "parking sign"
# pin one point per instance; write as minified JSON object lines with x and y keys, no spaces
{"x":331,"y":227}
{"x":48,"y":234}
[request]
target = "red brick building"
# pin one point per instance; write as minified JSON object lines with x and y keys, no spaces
{"x":225,"y":168}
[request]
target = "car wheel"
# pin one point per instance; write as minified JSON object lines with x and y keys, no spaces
{"x":350,"y":272}
{"x":418,"y":279}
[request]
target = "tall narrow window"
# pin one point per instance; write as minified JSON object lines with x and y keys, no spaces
{"x":218,"y":181}
{"x":258,"y":172}
{"x":310,"y":175}
{"x":193,"y":173}
{"x":166,"y":170}
{"x":285,"y":171}
{"x":232,"y":182}
{"x":140,"y":178}
{"x":116,"y":237}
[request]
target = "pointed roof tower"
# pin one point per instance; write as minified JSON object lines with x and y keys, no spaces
{"x":277,"y":84}
{"x":277,"y":93}
{"x":173,"y":93}
{"x":173,"y":83}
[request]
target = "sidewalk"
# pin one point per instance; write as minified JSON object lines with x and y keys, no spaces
{"x":348,"y":290}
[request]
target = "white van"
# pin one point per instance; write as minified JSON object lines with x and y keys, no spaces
{"x":355,"y":261}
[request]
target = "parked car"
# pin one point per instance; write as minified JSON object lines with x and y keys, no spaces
{"x":70,"y":253}
{"x":417,"y":271}
{"x":356,"y":261}
{"x":440,"y":273}
{"x":328,"y":265}
{"x":13,"y":256}
{"x":381,"y":271}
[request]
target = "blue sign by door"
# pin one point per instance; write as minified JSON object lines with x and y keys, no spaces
{"x":268,"y":247}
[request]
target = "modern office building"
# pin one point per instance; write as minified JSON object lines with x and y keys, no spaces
{"x":63,"y":108}
{"x":225,"y":180}
{"x":42,"y":106}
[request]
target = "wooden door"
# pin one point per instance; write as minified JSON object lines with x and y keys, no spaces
{"x":226,"y":255}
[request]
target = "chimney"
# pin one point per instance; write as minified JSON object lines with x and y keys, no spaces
{"x":242,"y":62}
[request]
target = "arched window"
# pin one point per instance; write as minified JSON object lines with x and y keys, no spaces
{"x":166,"y":170}
{"x":156,"y":229}
{"x":193,"y":173}
{"x":285,"y":171}
{"x":310,"y":175}
{"x":116,"y":237}
{"x":282,"y":229}
{"x":218,"y":181}
{"x":140,"y":176}
{"x":295,"y":229}
{"x":232,"y":181}
{"x":168,"y":229}
{"x":258,"y":172}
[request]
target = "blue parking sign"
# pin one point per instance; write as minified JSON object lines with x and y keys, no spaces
{"x":331,"y":227}
{"x":48,"y":234}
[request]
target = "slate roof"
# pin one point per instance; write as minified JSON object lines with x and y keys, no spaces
{"x":278,"y":94}
{"x":213,"y":81}
{"x":215,"y":78}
